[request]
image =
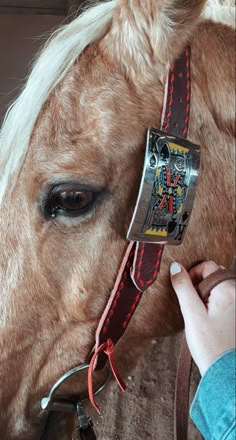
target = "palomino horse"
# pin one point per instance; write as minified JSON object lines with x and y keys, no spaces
{"x":71,"y":158}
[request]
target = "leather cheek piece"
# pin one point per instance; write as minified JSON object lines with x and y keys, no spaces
{"x":146,"y":265}
{"x":205,"y":287}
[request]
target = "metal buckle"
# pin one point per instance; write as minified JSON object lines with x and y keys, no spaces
{"x":167,"y":190}
{"x":84,"y":425}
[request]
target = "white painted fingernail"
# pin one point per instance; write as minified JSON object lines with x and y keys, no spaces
{"x":175,"y":268}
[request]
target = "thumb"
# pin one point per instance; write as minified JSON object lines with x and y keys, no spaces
{"x":190,"y":303}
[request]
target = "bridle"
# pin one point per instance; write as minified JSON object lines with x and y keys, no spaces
{"x":161,"y":217}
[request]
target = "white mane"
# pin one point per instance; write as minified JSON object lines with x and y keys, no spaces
{"x":62,"y":50}
{"x":222,"y":11}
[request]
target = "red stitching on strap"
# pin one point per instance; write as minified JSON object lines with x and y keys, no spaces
{"x":114,"y":304}
{"x":142,"y":283}
{"x":170,"y":103}
{"x":132,"y":310}
{"x":188,"y":85}
{"x":157,"y":264}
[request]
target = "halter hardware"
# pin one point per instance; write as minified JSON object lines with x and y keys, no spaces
{"x":51,"y":403}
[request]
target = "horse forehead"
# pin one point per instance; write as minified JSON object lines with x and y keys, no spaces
{"x":84,"y":104}
{"x":92,"y":111}
{"x":82,"y":120}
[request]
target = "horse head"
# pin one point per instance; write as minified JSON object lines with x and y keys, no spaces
{"x":71,"y":159}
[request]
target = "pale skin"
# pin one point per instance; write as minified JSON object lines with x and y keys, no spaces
{"x":210,"y":328}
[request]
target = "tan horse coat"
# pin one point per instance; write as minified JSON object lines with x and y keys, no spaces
{"x":56,"y":274}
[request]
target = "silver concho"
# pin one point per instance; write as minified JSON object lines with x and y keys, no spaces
{"x":167,"y":189}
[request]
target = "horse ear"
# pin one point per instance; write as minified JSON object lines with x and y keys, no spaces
{"x":144,"y":32}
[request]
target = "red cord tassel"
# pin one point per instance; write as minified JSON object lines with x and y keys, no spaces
{"x":108,"y":348}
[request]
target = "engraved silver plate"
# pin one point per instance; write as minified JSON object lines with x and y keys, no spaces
{"x":167,"y":189}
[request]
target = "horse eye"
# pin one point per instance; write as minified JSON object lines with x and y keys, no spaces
{"x":68,"y":201}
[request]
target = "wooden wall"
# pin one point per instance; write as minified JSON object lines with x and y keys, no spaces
{"x":47,"y":7}
{"x":24,"y":26}
{"x":21,"y":36}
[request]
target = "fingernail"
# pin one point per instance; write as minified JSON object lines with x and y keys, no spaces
{"x":175,"y":268}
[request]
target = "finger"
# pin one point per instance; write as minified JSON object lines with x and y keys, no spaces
{"x":202,"y":270}
{"x":190,"y":303}
{"x":222,"y":297}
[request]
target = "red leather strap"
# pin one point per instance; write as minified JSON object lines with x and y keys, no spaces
{"x":182,"y":387}
{"x":146,"y":266}
{"x":176,"y":116}
{"x":133,"y":280}
{"x":141,"y":263}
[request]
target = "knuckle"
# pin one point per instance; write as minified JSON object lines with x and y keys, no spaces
{"x":208,"y":268}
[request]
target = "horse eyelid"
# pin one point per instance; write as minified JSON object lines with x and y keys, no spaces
{"x":49,"y":211}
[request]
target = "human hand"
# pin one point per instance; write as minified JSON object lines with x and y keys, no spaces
{"x":210,"y":328}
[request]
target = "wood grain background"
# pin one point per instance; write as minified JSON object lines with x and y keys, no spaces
{"x":24,"y":26}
